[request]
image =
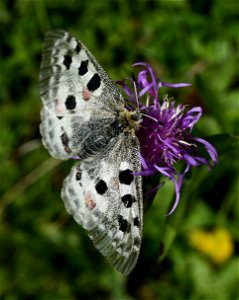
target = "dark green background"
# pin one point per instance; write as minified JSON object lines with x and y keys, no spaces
{"x":44,"y":253}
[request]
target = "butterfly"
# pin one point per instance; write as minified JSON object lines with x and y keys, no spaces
{"x":84,"y":116}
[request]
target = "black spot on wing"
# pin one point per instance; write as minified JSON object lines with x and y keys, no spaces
{"x":101,"y":187}
{"x":94,"y":83}
{"x":59,"y":117}
{"x":67,"y":61}
{"x":65,"y":142}
{"x":78,"y":48}
{"x":78,"y":175}
{"x":136,"y":221}
{"x":128,"y":200}
{"x":126,"y":177}
{"x":123,"y":224}
{"x":70,"y":102}
{"x":83,"y":68}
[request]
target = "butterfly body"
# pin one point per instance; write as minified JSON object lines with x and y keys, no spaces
{"x":85,"y":116}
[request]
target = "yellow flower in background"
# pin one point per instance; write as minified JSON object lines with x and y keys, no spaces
{"x":216,"y":244}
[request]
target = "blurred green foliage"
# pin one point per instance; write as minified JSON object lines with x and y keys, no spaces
{"x":44,"y":253}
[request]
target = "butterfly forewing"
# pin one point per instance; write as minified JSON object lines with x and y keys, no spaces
{"x":75,"y":90}
{"x":81,"y":118}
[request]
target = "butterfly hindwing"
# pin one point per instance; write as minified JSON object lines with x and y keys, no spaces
{"x":74,"y":90}
{"x":105,"y":197}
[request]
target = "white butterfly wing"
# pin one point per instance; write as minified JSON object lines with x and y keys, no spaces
{"x":81,"y":117}
{"x":75,"y":90}
{"x":106,"y":199}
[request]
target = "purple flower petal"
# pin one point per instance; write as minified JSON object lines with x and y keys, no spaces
{"x":173,"y":85}
{"x":191,"y":160}
{"x":165,"y":132}
{"x":76,"y":157}
{"x":192,"y":117}
{"x":126,"y":88}
{"x":210,"y":149}
{"x":177,"y":189}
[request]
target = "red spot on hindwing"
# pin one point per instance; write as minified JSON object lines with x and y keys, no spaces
{"x":86,"y":94}
{"x":60,"y":109}
{"x":115,"y":183}
{"x":89,"y":201}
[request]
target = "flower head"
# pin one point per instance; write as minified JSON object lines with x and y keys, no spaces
{"x":165,"y":132}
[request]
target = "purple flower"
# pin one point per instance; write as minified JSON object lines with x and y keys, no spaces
{"x":165,"y":132}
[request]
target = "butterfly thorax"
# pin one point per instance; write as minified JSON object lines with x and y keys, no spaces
{"x":129,"y":120}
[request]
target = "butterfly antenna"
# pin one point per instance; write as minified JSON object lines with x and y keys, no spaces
{"x":136,"y":94}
